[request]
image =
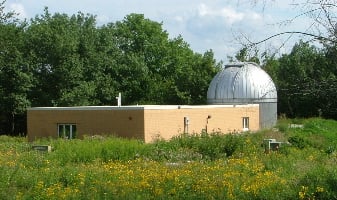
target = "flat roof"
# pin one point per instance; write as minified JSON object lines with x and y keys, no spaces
{"x":141,"y":107}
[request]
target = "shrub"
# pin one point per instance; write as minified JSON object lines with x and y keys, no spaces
{"x":297,"y":141}
{"x":91,"y":149}
{"x":210,"y":145}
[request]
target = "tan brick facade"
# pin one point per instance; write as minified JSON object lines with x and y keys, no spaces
{"x":167,"y":123}
{"x":142,"y":122}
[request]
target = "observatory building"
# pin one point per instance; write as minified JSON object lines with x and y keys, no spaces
{"x":245,"y":83}
{"x":242,"y":97}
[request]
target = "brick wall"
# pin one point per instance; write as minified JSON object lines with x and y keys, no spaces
{"x":141,"y":122}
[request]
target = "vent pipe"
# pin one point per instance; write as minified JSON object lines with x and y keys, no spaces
{"x":119,"y":100}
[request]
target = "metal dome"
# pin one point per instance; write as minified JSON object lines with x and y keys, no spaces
{"x":240,"y":83}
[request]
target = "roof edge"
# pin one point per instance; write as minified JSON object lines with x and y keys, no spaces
{"x":241,"y":64}
{"x":139,"y":107}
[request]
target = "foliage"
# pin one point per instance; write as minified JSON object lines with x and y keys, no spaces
{"x":306,"y":80}
{"x":305,"y":77}
{"x":114,"y":168}
{"x":15,"y":76}
{"x":297,"y":141}
{"x":246,"y":54}
{"x":203,"y":146}
{"x":61,"y":60}
{"x":106,"y":149}
{"x":8,"y":17}
{"x":88,"y":65}
{"x":57,"y":59}
{"x":67,"y":60}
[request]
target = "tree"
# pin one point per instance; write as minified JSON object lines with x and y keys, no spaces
{"x":142,"y":62}
{"x":323,"y":15}
{"x":61,"y":60}
{"x":101,"y":62}
{"x":329,"y":84}
{"x":86,"y":65}
{"x":58,"y":49}
{"x":6,"y":17}
{"x":304,"y":79}
{"x":166,"y":71}
{"x":246,"y":54}
{"x":323,"y":26}
{"x":15,"y":74}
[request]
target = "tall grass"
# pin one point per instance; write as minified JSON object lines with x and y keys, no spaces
{"x":196,"y":166}
{"x":91,"y":149}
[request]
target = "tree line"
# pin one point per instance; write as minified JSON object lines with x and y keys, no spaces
{"x":61,"y":60}
{"x":305,"y":78}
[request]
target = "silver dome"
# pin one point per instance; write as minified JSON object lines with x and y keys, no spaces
{"x":241,"y":83}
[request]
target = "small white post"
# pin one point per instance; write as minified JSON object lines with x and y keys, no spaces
{"x":119,"y":100}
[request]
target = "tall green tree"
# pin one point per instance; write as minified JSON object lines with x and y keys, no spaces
{"x":329,"y":83}
{"x":143,"y":45}
{"x":166,"y":71}
{"x":101,"y":61}
{"x":61,"y":60}
{"x":58,"y":51}
{"x":303,"y":79}
{"x":15,"y":74}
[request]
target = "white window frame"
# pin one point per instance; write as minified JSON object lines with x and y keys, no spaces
{"x":72,"y":131}
{"x":245,"y":123}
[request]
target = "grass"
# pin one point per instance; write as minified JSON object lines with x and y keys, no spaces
{"x":197,"y":166}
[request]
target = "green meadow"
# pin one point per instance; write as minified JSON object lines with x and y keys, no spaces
{"x":190,"y":166}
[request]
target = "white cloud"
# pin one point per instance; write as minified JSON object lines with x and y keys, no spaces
{"x":19,"y":9}
{"x":231,"y":15}
{"x":254,"y":16}
{"x":179,"y":18}
{"x":228,"y":14}
{"x":203,"y":10}
{"x":103,"y":19}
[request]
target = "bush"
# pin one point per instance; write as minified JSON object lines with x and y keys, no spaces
{"x":297,"y":141}
{"x":210,"y":145}
{"x":91,"y":149}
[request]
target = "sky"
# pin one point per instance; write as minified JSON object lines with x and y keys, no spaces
{"x":220,"y":25}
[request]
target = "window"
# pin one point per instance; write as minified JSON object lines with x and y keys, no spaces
{"x":67,"y":131}
{"x":245,"y":123}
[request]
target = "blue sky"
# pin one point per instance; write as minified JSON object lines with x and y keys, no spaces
{"x":220,"y":25}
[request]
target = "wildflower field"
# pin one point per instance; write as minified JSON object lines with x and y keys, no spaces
{"x":196,"y":166}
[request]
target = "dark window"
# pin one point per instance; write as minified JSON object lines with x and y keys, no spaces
{"x":67,"y":131}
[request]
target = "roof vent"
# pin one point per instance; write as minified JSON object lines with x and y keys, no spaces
{"x":119,"y":100}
